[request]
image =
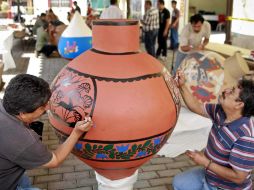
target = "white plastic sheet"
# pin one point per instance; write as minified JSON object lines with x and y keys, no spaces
{"x":191,"y":132}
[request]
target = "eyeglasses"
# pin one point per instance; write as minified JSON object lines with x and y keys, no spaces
{"x":231,"y":92}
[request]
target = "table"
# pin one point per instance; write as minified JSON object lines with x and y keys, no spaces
{"x":211,"y":17}
{"x":227,"y":50}
{"x":6,"y":43}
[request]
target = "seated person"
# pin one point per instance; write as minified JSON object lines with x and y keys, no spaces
{"x":42,"y":43}
{"x":50,"y":16}
{"x":55,"y":30}
{"x":228,"y":159}
{"x":39,"y":22}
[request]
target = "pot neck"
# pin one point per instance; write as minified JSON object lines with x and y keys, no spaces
{"x":116,"y":36}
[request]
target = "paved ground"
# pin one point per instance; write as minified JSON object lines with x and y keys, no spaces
{"x":73,"y":174}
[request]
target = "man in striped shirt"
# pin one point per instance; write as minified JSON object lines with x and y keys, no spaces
{"x":229,"y":156}
{"x":150,"y":27}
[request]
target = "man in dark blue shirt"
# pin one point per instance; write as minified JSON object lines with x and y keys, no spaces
{"x":164,"y":18}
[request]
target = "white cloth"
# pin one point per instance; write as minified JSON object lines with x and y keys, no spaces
{"x":6,"y":42}
{"x":191,"y":133}
{"x":112,"y":12}
{"x":189,"y":37}
{"x":123,"y":184}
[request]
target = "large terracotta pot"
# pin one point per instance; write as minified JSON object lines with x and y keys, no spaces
{"x":131,"y":97}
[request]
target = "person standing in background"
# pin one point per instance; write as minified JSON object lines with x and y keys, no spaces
{"x":150,"y":27}
{"x":174,"y":26}
{"x":89,"y":10}
{"x":195,"y":36}
{"x":112,"y":12}
{"x":76,"y":7}
{"x":164,"y":18}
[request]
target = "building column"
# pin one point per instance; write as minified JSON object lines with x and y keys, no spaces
{"x":229,"y":13}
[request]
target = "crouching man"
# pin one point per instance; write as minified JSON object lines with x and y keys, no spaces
{"x":25,"y":100}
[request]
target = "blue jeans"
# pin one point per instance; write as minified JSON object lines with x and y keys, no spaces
{"x":179,"y":58}
{"x":25,"y":184}
{"x":192,"y":179}
{"x":150,"y":39}
{"x":173,"y":38}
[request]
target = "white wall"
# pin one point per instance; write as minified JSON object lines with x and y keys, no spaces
{"x":243,"y":24}
{"x":219,"y":6}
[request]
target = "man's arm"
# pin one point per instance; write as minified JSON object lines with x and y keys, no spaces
{"x":184,"y":39}
{"x":165,"y":33}
{"x":206,"y":37}
{"x":175,"y":23}
{"x":203,"y":44}
{"x":186,"y":48}
{"x":177,"y":19}
{"x":64,"y":149}
{"x":233,"y":175}
{"x":191,"y":102}
{"x":146,"y":19}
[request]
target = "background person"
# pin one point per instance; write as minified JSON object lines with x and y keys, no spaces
{"x":112,"y":12}
{"x":76,"y":7}
{"x":51,"y":17}
{"x":164,"y":18}
{"x":39,"y":22}
{"x":195,"y":36}
{"x":174,"y":26}
{"x":150,"y":26}
{"x":43,"y":41}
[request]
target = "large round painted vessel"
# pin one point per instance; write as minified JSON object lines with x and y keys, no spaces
{"x":131,"y":97}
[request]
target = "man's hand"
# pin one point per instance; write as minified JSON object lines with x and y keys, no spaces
{"x":84,"y":126}
{"x":64,"y":149}
{"x":198,"y":157}
{"x":201,"y":47}
{"x":180,"y":78}
{"x":191,"y":102}
{"x":230,"y":174}
{"x":165,"y":33}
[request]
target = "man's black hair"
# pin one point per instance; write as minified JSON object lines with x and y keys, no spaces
{"x":45,"y":25}
{"x":113,"y":2}
{"x":247,"y":97}
{"x":161,"y":2}
{"x":43,"y":14}
{"x":196,"y":18}
{"x":175,"y":2}
{"x":25,"y":93}
{"x":149,"y":2}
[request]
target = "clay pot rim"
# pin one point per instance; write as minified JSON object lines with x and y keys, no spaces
{"x":115,"y":22}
